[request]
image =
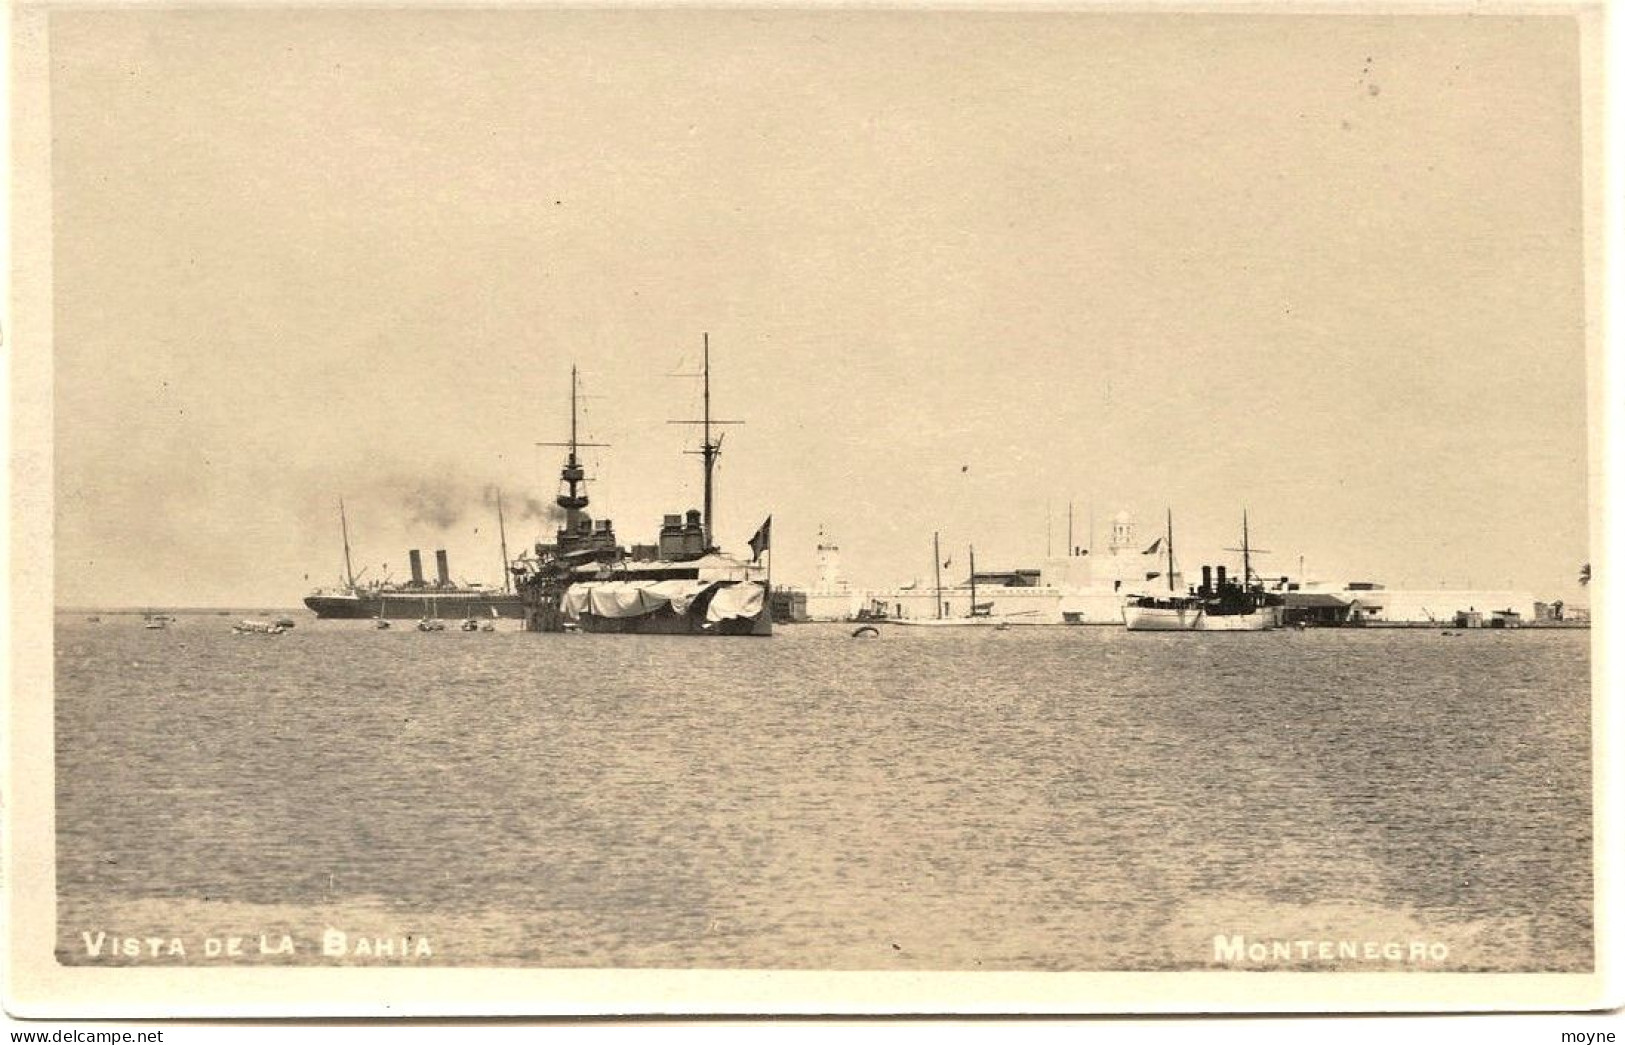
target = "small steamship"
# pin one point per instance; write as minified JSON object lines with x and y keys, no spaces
{"x":1220,"y":604}
{"x":681,"y":585}
{"x":416,"y":599}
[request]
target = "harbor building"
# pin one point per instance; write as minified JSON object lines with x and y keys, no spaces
{"x":1078,"y":587}
{"x":1089,"y":587}
{"x":1376,"y":605}
{"x":1320,"y":609}
{"x":1012,"y":595}
{"x":1369,"y":604}
{"x":1095,"y":584}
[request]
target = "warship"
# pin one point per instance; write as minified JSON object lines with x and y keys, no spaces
{"x":682,"y":584}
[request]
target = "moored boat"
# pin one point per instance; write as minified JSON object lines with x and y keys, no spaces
{"x":1163,"y":613}
{"x":1218,"y":604}
{"x":259,"y":627}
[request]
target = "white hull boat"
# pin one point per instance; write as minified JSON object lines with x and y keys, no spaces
{"x":1174,"y":617}
{"x":948,"y":622}
{"x":1220,"y":607}
{"x":1195,"y":618}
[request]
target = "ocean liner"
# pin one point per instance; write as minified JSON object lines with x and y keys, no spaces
{"x":681,"y":585}
{"x":417,"y":598}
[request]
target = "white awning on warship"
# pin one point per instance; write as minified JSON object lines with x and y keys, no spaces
{"x":736,"y":600}
{"x":621,"y":599}
{"x":618,"y":599}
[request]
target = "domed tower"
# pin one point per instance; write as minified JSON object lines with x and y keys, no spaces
{"x":1122,"y":538}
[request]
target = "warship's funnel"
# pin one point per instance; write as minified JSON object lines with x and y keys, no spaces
{"x":442,"y":568}
{"x":417,"y":567}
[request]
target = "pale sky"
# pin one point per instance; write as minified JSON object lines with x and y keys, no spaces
{"x":958,"y":269}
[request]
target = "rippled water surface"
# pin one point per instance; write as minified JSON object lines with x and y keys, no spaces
{"x":1039,"y":798}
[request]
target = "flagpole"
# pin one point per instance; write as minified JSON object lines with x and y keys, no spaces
{"x":764,"y":534}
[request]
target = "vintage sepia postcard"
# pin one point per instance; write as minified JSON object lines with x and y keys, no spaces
{"x":807,"y":508}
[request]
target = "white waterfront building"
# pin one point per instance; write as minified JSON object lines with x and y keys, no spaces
{"x":1090,"y":587}
{"x":1079,"y":588}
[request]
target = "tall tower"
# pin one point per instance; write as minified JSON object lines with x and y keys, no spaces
{"x":1122,"y":539}
{"x":829,"y":564}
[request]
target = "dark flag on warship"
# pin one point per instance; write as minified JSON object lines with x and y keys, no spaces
{"x":763,"y":539}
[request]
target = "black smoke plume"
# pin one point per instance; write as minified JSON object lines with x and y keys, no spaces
{"x":441,"y":500}
{"x":434,"y":503}
{"x":522,"y":506}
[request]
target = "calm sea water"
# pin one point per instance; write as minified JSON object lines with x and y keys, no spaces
{"x":1038,"y":798}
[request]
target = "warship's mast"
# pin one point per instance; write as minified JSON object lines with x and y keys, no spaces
{"x":710,"y":448}
{"x":574,"y":477}
{"x":574,"y":499}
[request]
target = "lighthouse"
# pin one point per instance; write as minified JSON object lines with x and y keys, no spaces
{"x":828,"y":564}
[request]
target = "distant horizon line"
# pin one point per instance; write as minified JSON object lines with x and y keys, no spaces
{"x":258,"y":607}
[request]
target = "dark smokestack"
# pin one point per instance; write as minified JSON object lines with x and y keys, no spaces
{"x":1207,"y":579}
{"x":417,"y":567}
{"x":1221,"y":578}
{"x":442,"y":568}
